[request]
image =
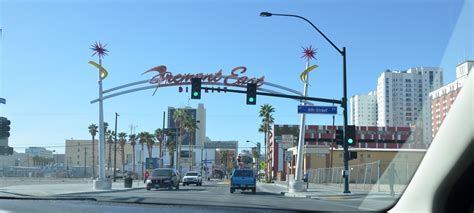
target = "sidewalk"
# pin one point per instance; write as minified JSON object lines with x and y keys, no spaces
{"x":45,"y":189}
{"x":320,"y":191}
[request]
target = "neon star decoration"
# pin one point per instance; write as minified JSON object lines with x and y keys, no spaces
{"x":99,"y":50}
{"x":309,"y":53}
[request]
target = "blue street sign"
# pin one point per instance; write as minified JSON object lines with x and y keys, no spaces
{"x":317,"y":109}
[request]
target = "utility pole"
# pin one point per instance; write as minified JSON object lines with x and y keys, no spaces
{"x":162,"y":140}
{"x":333,"y":138}
{"x":115,"y":146}
{"x":85,"y":164}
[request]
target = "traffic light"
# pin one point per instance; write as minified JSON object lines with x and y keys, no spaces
{"x":239,"y":159}
{"x":4,"y":127}
{"x":351,"y":135}
{"x":251,"y":93}
{"x":195,"y":88}
{"x":352,"y":155}
{"x":5,"y":150}
{"x":339,"y":136}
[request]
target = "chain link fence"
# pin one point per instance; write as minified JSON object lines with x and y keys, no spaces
{"x":368,"y":176}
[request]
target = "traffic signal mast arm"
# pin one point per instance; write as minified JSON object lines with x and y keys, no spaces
{"x":325,"y":100}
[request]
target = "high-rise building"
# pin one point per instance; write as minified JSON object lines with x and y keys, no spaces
{"x":364,"y":109}
{"x":444,"y":97}
{"x":403,"y":98}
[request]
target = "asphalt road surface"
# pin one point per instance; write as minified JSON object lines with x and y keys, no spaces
{"x":217,"y":193}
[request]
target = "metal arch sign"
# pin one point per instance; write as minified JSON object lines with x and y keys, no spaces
{"x":163,"y":77}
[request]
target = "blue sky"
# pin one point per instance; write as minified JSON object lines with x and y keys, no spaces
{"x":48,"y":83}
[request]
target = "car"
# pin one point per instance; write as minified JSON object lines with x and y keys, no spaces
{"x":192,"y":177}
{"x":243,"y":179}
{"x":163,"y":178}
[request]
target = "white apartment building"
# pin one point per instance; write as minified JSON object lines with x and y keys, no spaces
{"x":364,"y":109}
{"x":403,"y":98}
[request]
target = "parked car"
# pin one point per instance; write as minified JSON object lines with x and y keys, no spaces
{"x":163,"y":178}
{"x":192,"y":177}
{"x":243,"y":179}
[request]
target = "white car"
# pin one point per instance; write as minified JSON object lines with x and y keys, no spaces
{"x":192,"y":177}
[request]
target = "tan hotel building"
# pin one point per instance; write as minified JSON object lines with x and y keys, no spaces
{"x":79,"y":152}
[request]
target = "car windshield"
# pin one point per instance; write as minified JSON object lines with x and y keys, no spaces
{"x":191,"y":174}
{"x":162,"y":172}
{"x":329,"y":105}
{"x":243,"y":173}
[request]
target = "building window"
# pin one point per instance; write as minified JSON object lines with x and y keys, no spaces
{"x":77,"y":156}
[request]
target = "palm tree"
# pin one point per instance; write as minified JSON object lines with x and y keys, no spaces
{"x":150,"y":141}
{"x":171,"y":145}
{"x":180,"y":116}
{"x":159,"y":138}
{"x":132,"y":138}
{"x":122,"y":140}
{"x":110,"y":141}
{"x":265,"y":113}
{"x":224,"y":157}
{"x":93,"y":131}
{"x":190,"y":126}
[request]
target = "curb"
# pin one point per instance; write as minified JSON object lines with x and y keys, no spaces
{"x":100,"y":191}
{"x":328,"y":196}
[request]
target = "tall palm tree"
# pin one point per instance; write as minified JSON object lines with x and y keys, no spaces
{"x":171,"y":145}
{"x":159,"y":138}
{"x":224,"y":157}
{"x":122,"y":140}
{"x":180,"y":116}
{"x":265,"y":113}
{"x":142,"y":140}
{"x":110,"y":141}
{"x":190,"y":126}
{"x":93,"y":131}
{"x":150,"y":141}
{"x":132,"y":138}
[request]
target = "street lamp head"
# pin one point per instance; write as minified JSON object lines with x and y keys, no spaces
{"x":265,"y":14}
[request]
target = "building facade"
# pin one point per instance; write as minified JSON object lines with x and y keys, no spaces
{"x":444,"y":97}
{"x":324,"y":136}
{"x":403,"y":98}
{"x":78,"y":154}
{"x":39,"y":152}
{"x":218,"y":156}
{"x":364,"y":109}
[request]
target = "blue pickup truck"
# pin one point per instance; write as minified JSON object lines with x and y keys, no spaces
{"x":243,"y":179}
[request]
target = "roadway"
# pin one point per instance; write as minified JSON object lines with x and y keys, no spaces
{"x":214,"y":193}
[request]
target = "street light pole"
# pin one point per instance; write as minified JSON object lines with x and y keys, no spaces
{"x":115,"y":146}
{"x":344,"y":97}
